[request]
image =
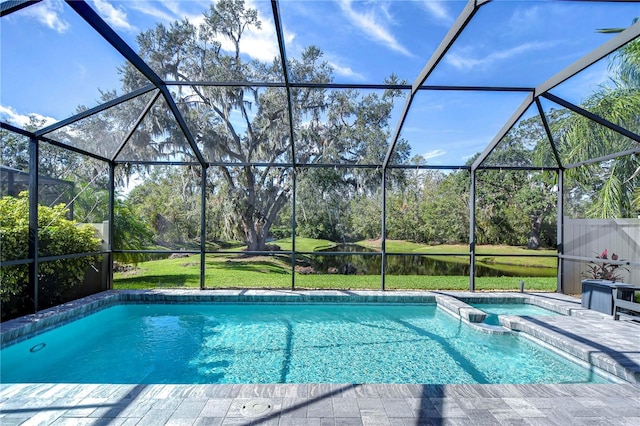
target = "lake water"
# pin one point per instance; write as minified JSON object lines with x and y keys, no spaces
{"x":358,"y":263}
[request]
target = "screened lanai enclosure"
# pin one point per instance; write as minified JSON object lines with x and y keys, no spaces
{"x":317,"y":144}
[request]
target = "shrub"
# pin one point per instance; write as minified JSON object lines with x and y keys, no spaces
{"x":56,"y":236}
{"x":131,"y":232}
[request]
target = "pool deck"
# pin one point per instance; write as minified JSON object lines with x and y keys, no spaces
{"x":613,"y":346}
{"x":297,"y":405}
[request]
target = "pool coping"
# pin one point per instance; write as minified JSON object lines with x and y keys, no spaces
{"x":617,"y":362}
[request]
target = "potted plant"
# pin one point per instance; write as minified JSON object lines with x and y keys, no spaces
{"x":603,"y":270}
{"x":600,"y":280}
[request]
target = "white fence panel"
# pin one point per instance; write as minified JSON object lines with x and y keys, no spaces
{"x":590,"y":237}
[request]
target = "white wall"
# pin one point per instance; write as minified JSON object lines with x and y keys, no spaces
{"x":589,"y":237}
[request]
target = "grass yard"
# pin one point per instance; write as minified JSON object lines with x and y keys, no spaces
{"x":239,"y":271}
{"x":305,"y":244}
{"x":418,"y":282}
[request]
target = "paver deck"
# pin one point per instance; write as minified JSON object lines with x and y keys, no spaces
{"x":612,"y":345}
{"x":565,"y":404}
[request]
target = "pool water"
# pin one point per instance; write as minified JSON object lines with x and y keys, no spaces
{"x":287,"y":343}
{"x":520,"y":309}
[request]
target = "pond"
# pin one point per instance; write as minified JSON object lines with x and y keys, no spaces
{"x":366,"y":261}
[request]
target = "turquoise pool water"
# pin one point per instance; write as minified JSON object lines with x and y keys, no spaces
{"x":288,"y":343}
{"x":520,"y":309}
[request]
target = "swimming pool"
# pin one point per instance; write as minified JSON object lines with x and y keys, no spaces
{"x":280,"y":343}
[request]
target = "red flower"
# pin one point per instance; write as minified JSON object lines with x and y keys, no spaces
{"x":603,"y":255}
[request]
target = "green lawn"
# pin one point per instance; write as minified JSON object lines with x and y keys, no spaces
{"x":305,"y":244}
{"x":220,"y":271}
{"x":239,"y":271}
{"x":417,"y":282}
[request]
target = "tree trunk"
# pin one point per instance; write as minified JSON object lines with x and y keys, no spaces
{"x":256,"y":241}
{"x":534,"y":236}
{"x":256,"y":230}
{"x":257,"y":244}
{"x":251,"y":232}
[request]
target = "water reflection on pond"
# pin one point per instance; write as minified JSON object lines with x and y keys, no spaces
{"x":366,"y":261}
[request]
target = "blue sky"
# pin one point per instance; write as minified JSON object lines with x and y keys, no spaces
{"x":52,"y":62}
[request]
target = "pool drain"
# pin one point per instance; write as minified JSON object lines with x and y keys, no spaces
{"x":256,"y":408}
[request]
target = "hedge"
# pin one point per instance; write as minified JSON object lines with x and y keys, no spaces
{"x":56,"y":236}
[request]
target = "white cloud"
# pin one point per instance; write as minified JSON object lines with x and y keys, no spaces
{"x":9,"y":115}
{"x":150,"y":9}
{"x":168,"y":12}
{"x":81,"y":70}
{"x":262,"y":44}
{"x":117,"y":17}
{"x":433,"y":154}
{"x":49,"y":15}
{"x":461,"y":60}
{"x":524,"y":18}
{"x":369,"y":23}
{"x":173,"y":6}
{"x":438,"y":10}
{"x":345,"y":71}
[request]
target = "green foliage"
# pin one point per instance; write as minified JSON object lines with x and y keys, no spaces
{"x":91,"y":205}
{"x":625,"y":64}
{"x":512,"y":207}
{"x":515,"y":208}
{"x":609,"y":185}
{"x":14,"y":237}
{"x":56,"y":236}
{"x":130,"y":232}
{"x":407,"y":201}
{"x":323,"y":209}
{"x":14,"y":150}
{"x":366,"y":215}
{"x":169,"y":200}
{"x":636,"y":200}
{"x":446,"y":212}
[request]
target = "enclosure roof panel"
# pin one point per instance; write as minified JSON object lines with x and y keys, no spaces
{"x":104,"y":132}
{"x":337,"y":136}
{"x":446,"y":127}
{"x":610,"y":140}
{"x":54,"y":65}
{"x":526,"y":144}
{"x":62,"y":59}
{"x":366,"y":42}
{"x":523,"y":43}
{"x":184,"y":26}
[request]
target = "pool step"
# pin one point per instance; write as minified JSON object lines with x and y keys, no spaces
{"x":461,"y":309}
{"x":473,"y":317}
